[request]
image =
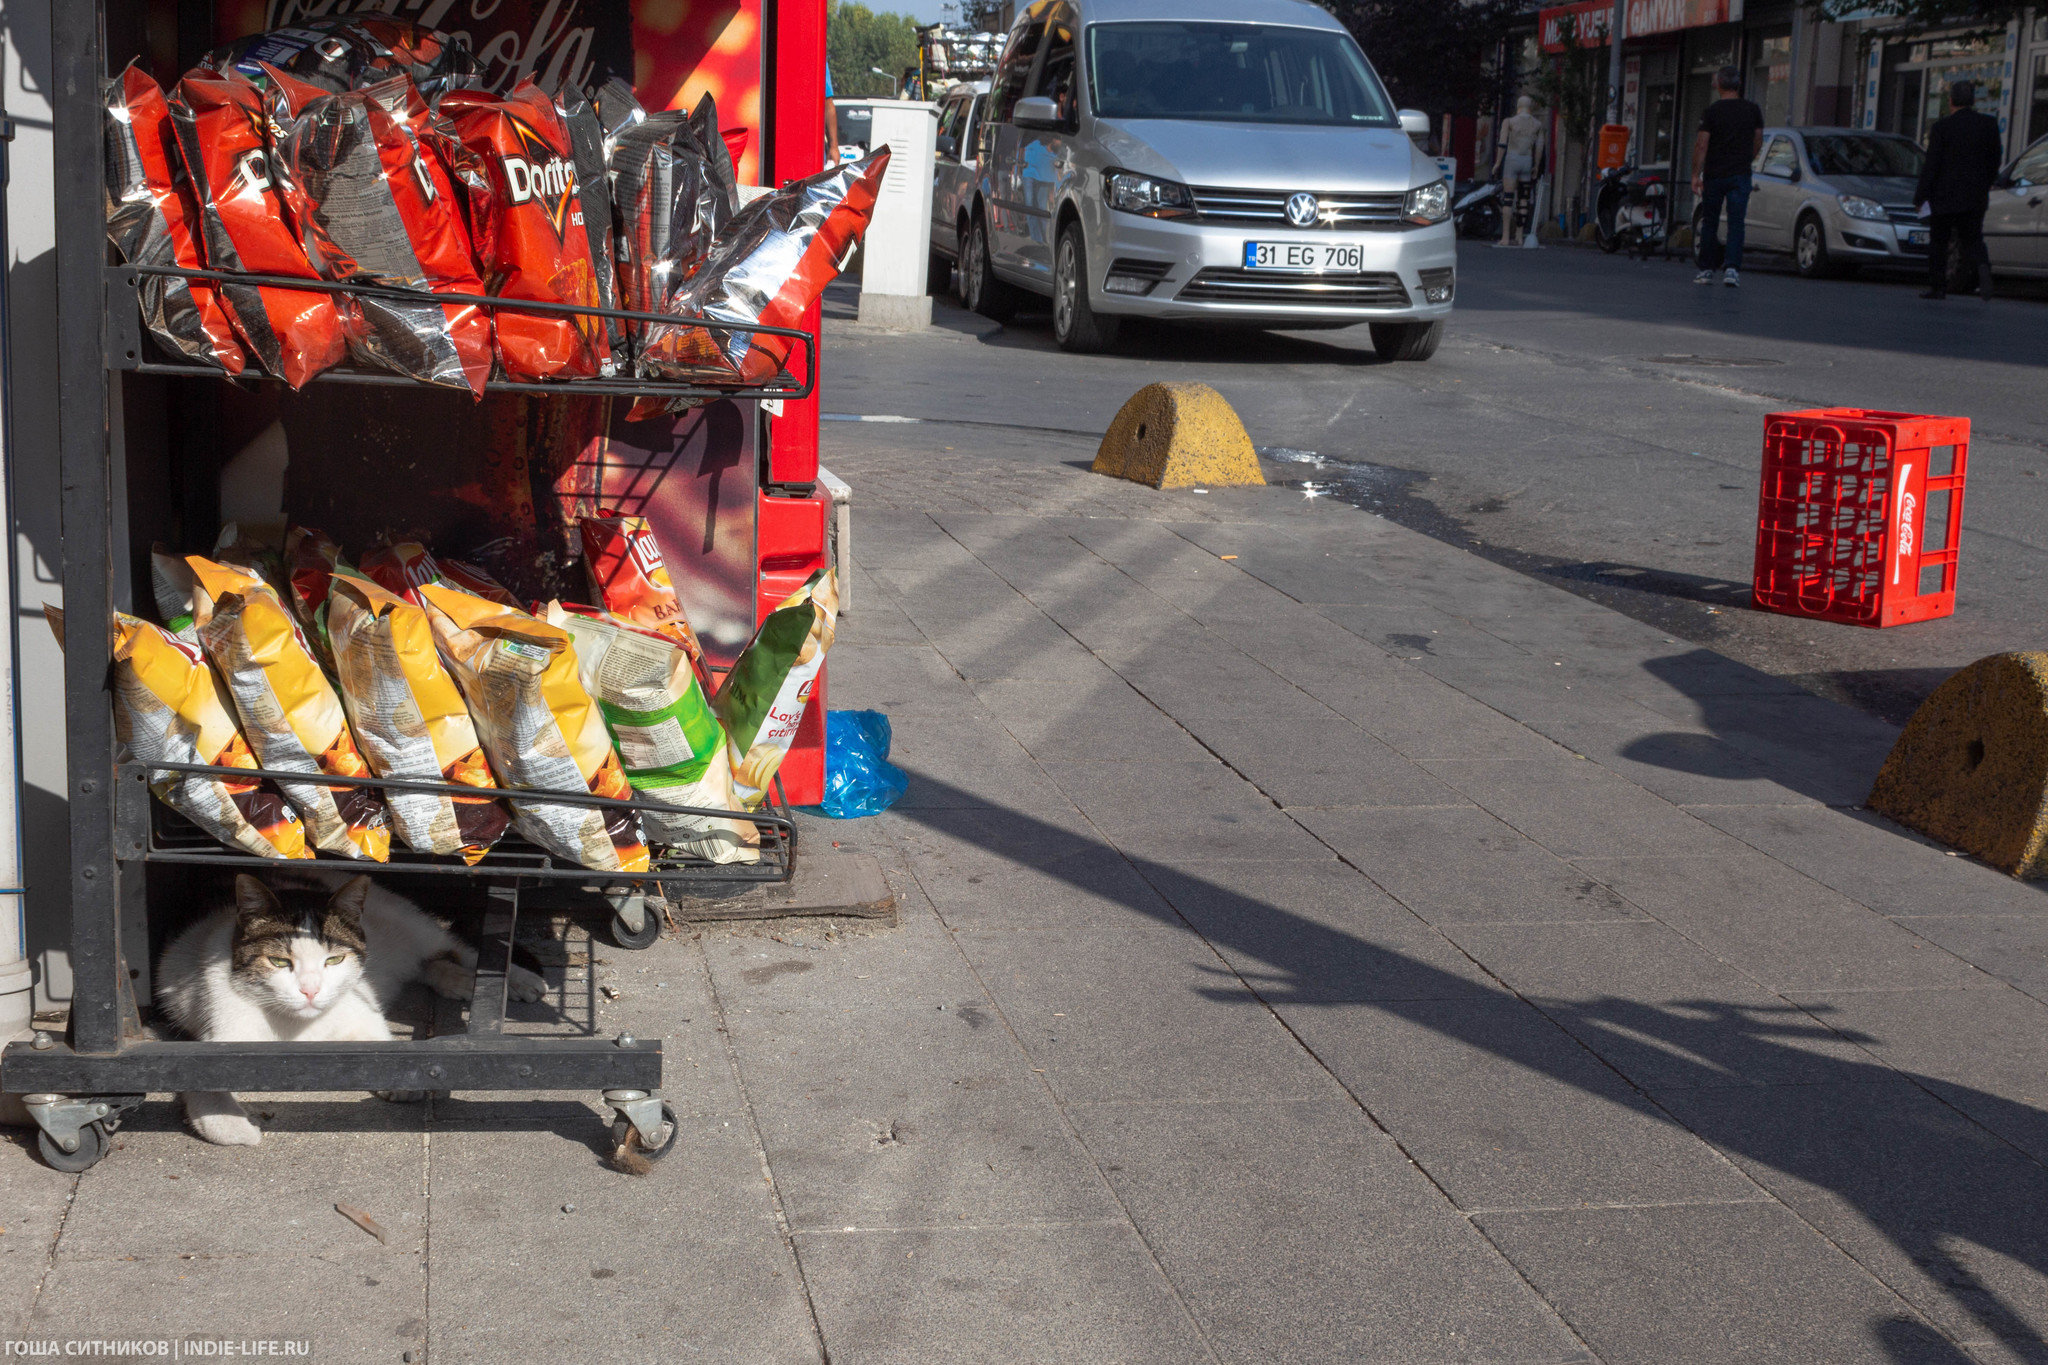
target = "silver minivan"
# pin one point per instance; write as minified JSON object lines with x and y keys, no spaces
{"x":1203,"y":160}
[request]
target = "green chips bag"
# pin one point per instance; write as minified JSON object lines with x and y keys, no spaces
{"x":763,"y":699}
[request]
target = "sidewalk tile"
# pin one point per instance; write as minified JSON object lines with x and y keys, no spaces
{"x":1299,"y":1232}
{"x":1088,"y":1294}
{"x":1781,"y":928}
{"x":1658,"y":1009}
{"x":1171,"y":811}
{"x":1101,"y":718}
{"x":1316,"y":933}
{"x":913,"y":964}
{"x":1938,"y":1208}
{"x":1014,"y":646}
{"x":1711,"y":1285}
{"x":1331,"y":763}
{"x":1094,"y":889}
{"x":1506,"y":1110}
{"x":684,"y":1261}
{"x":1138,"y":1016}
{"x":1454,"y":866}
{"x":1421,"y":717}
{"x":34,"y":1202}
{"x":2013,"y":948}
{"x":1687,"y":767}
{"x":1416,"y":631}
{"x":1576,"y":808}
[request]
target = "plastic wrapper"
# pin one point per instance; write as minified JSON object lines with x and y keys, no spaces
{"x":374,"y":205}
{"x":470,"y":578}
{"x":769,"y":266}
{"x":859,"y":778}
{"x":763,"y":699}
{"x":720,"y":156}
{"x":289,"y":710}
{"x":618,"y":109}
{"x":526,"y":221}
{"x":403,"y":567}
{"x":172,"y":585}
{"x":668,"y":209}
{"x":221,"y":129}
{"x":346,"y":54}
{"x":310,"y":559}
{"x":630,"y":578}
{"x":671,"y":744}
{"x":594,"y":188}
{"x":540,"y":727}
{"x":237,"y":547}
{"x":409,"y":718}
{"x":170,"y":707}
{"x":152,"y":219}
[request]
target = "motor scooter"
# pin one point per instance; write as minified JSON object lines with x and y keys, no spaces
{"x":1633,"y":210}
{"x":1475,"y":209}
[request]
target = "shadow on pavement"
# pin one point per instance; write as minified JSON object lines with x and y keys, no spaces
{"x":1951,"y":1176}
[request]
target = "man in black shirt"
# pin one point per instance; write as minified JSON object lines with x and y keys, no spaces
{"x":1963,"y":156}
{"x":1731,"y":133}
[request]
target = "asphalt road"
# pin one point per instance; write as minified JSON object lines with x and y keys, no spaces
{"x":1593,"y":421}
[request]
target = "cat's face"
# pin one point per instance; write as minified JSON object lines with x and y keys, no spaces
{"x":296,"y":951}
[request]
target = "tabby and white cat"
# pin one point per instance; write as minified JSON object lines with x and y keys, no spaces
{"x":308,"y":961}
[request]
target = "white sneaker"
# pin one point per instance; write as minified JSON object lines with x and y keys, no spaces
{"x":1704,"y":277}
{"x":1730,"y":278}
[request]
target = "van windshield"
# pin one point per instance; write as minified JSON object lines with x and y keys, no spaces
{"x":1239,"y":73}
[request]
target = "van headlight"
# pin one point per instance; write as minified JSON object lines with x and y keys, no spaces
{"x":1856,"y":206}
{"x":1144,"y":194}
{"x":1429,"y":203}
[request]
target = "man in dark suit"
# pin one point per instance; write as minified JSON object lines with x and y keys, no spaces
{"x":1963,"y":159}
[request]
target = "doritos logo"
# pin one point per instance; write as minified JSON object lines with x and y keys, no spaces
{"x":252,"y":173}
{"x":424,"y":177}
{"x":541,"y":175}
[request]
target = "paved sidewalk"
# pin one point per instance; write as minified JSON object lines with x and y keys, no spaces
{"x":1350,"y":951}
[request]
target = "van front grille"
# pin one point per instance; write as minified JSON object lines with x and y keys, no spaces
{"x":1220,"y":284}
{"x":1268,"y":208}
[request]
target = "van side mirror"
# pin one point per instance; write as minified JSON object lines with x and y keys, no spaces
{"x":1414,"y":122}
{"x":948,"y":145}
{"x":1035,"y":111}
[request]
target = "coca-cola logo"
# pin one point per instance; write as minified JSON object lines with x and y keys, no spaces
{"x":512,"y":39}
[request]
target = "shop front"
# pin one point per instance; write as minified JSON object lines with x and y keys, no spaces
{"x":1908,"y":80}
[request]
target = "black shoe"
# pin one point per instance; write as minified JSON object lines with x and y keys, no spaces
{"x":1935,"y":294}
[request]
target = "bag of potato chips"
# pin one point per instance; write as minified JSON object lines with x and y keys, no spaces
{"x":540,"y":727}
{"x":289,"y":709}
{"x":671,"y":744}
{"x":631,"y":579}
{"x":169,"y":705}
{"x":409,"y":717}
{"x":763,"y":699}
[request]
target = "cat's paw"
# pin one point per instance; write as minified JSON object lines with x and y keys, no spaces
{"x":521,"y":984}
{"x":227,"y":1130}
{"x":400,"y":1096}
{"x":447,"y":978}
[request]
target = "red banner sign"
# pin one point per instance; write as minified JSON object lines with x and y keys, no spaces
{"x":1590,"y":19}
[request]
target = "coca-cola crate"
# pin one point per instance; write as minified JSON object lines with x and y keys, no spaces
{"x":1859,"y":515}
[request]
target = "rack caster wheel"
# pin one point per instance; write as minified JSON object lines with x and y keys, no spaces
{"x":636,"y":1108}
{"x":625,"y":909}
{"x":92,"y":1143}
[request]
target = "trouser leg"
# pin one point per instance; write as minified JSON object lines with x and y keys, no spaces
{"x":1976,"y":259}
{"x":1738,"y":221}
{"x":1939,"y":227}
{"x":1710,"y":227}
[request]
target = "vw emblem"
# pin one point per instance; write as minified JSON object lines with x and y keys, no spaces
{"x":1301,"y":209}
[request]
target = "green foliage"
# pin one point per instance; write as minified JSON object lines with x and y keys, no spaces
{"x":1433,"y":54}
{"x":857,"y":38}
{"x":1574,"y":82}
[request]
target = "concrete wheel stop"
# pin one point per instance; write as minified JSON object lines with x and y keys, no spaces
{"x":1971,"y":766}
{"x":1178,"y":436}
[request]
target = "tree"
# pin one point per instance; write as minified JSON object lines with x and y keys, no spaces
{"x":857,"y":38}
{"x":1434,"y":55}
{"x":1574,"y":82}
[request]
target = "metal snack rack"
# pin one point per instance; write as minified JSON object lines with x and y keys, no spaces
{"x":78,"y":1087}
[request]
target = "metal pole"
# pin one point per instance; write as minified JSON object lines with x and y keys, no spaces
{"x":1615,"y":33}
{"x":17,"y":981}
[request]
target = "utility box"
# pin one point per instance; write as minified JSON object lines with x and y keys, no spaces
{"x":897,"y":249}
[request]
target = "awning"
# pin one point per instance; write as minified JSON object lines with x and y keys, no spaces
{"x":1644,"y":17}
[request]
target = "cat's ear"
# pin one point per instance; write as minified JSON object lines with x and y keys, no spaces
{"x":349,"y":899}
{"x":252,"y":897}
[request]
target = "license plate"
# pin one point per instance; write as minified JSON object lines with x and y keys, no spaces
{"x":1916,"y":239}
{"x":1306,"y":258}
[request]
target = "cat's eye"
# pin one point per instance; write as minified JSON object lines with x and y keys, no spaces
{"x":281,"y":963}
{"x":337,"y":959}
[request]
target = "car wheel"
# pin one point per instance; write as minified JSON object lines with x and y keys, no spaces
{"x":1076,"y":326}
{"x":1406,"y":340}
{"x":980,"y":290}
{"x":1810,"y":249}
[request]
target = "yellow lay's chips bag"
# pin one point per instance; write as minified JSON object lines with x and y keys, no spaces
{"x":169,"y":705}
{"x":539,"y":725}
{"x":289,"y":710}
{"x":409,"y":718}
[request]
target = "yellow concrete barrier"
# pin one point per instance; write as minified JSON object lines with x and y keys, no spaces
{"x":1178,"y":436}
{"x":1971,"y":766}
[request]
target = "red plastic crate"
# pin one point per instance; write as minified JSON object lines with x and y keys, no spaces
{"x":1859,"y":515}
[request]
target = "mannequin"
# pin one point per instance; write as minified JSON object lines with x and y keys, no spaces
{"x":1515,"y":161}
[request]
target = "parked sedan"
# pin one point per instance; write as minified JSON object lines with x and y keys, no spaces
{"x":1837,"y":198}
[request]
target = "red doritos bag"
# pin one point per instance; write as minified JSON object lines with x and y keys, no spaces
{"x":220,"y":123}
{"x":373,"y":204}
{"x":348,"y":54}
{"x":152,"y":219}
{"x":527,"y":221}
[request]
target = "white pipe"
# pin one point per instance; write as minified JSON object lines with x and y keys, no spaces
{"x":17,"y":980}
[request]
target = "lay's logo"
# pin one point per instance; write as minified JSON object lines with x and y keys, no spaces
{"x":645,"y":553}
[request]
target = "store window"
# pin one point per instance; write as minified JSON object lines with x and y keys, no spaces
{"x":1770,"y":75}
{"x":2037,"y":121}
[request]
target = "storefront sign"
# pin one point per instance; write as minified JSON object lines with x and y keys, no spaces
{"x":1590,"y":19}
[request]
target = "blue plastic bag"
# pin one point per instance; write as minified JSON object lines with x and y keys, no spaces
{"x":859,"y":779}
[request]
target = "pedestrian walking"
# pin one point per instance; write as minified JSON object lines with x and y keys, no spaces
{"x":1963,"y":158}
{"x":1731,"y":134}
